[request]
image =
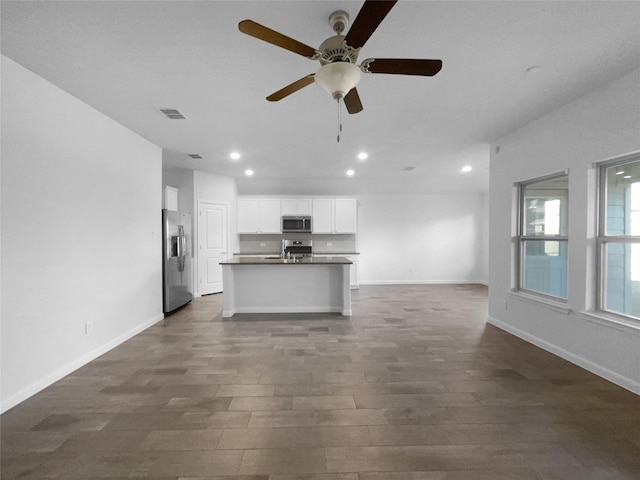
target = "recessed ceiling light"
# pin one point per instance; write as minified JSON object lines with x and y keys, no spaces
{"x":363,"y":156}
{"x":234,"y":155}
{"x":620,"y":172}
{"x":248,"y":172}
{"x":351,"y":173}
{"x":466,"y":168}
{"x":627,"y":176}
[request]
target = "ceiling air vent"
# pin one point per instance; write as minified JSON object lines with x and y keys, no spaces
{"x":195,"y":156}
{"x":172,"y":113}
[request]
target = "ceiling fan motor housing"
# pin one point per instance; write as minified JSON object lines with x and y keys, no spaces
{"x":334,"y":49}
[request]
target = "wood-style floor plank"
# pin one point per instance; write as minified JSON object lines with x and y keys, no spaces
{"x":414,"y":386}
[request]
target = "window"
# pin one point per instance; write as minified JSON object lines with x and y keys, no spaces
{"x":542,"y":236}
{"x":619,"y":238}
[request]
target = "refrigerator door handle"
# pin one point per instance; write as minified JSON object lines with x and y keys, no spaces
{"x":182,"y":247}
{"x":180,"y":240}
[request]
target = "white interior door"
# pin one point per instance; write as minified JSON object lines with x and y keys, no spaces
{"x":212,"y":246}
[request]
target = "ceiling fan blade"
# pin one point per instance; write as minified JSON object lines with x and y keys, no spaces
{"x":275,"y":38}
{"x":369,"y":17}
{"x":291,"y":88}
{"x":352,"y":101}
{"x":403,"y":66}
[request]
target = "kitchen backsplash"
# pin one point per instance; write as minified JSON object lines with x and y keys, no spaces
{"x":269,"y":244}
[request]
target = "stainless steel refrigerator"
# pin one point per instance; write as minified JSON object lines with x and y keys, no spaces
{"x":177,"y":260}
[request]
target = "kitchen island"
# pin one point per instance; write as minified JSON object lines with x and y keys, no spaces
{"x":280,"y":285}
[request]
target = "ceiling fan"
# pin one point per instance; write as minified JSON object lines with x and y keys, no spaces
{"x":338,"y":55}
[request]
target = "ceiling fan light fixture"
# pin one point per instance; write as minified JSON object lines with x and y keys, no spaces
{"x":338,"y":78}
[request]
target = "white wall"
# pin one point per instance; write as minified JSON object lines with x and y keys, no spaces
{"x":597,"y":127}
{"x":209,"y":187}
{"x":430,"y":238}
{"x":80,"y":233}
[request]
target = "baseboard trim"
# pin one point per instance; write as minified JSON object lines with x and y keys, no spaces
{"x":423,"y":282}
{"x":288,"y":309}
{"x":599,"y":370}
{"x":72,"y":366}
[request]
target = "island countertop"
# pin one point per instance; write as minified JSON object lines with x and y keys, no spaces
{"x":287,"y":261}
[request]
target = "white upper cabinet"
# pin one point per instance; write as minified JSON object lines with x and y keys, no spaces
{"x":322,"y":220}
{"x":346,"y":217}
{"x":248,"y":221}
{"x":171,"y":198}
{"x":259,"y":215}
{"x":329,"y":215}
{"x":270,"y":216}
{"x":335,"y":215}
{"x":296,"y":206}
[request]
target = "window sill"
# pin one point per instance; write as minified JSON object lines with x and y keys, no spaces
{"x":611,"y":321}
{"x":541,"y":301}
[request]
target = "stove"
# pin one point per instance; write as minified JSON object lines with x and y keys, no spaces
{"x":298,"y":248}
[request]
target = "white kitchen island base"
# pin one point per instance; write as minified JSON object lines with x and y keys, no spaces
{"x":309,"y":285}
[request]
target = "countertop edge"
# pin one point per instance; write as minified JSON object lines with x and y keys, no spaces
{"x":334,"y":260}
{"x":271,"y":254}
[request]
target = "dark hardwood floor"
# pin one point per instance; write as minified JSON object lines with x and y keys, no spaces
{"x":415,"y":386}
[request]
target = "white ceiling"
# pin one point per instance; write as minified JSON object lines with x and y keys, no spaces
{"x":128,"y":59}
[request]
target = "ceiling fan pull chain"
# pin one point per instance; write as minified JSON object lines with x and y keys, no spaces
{"x":339,"y":118}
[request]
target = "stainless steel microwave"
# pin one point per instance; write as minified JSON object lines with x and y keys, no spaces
{"x":300,"y":223}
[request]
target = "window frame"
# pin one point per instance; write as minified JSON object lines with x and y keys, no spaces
{"x":522,"y":237}
{"x":603,"y":239}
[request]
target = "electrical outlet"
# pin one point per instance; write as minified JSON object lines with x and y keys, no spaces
{"x":329,"y":244}
{"x":262,"y":244}
{"x":88,"y":328}
{"x":504,"y":304}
